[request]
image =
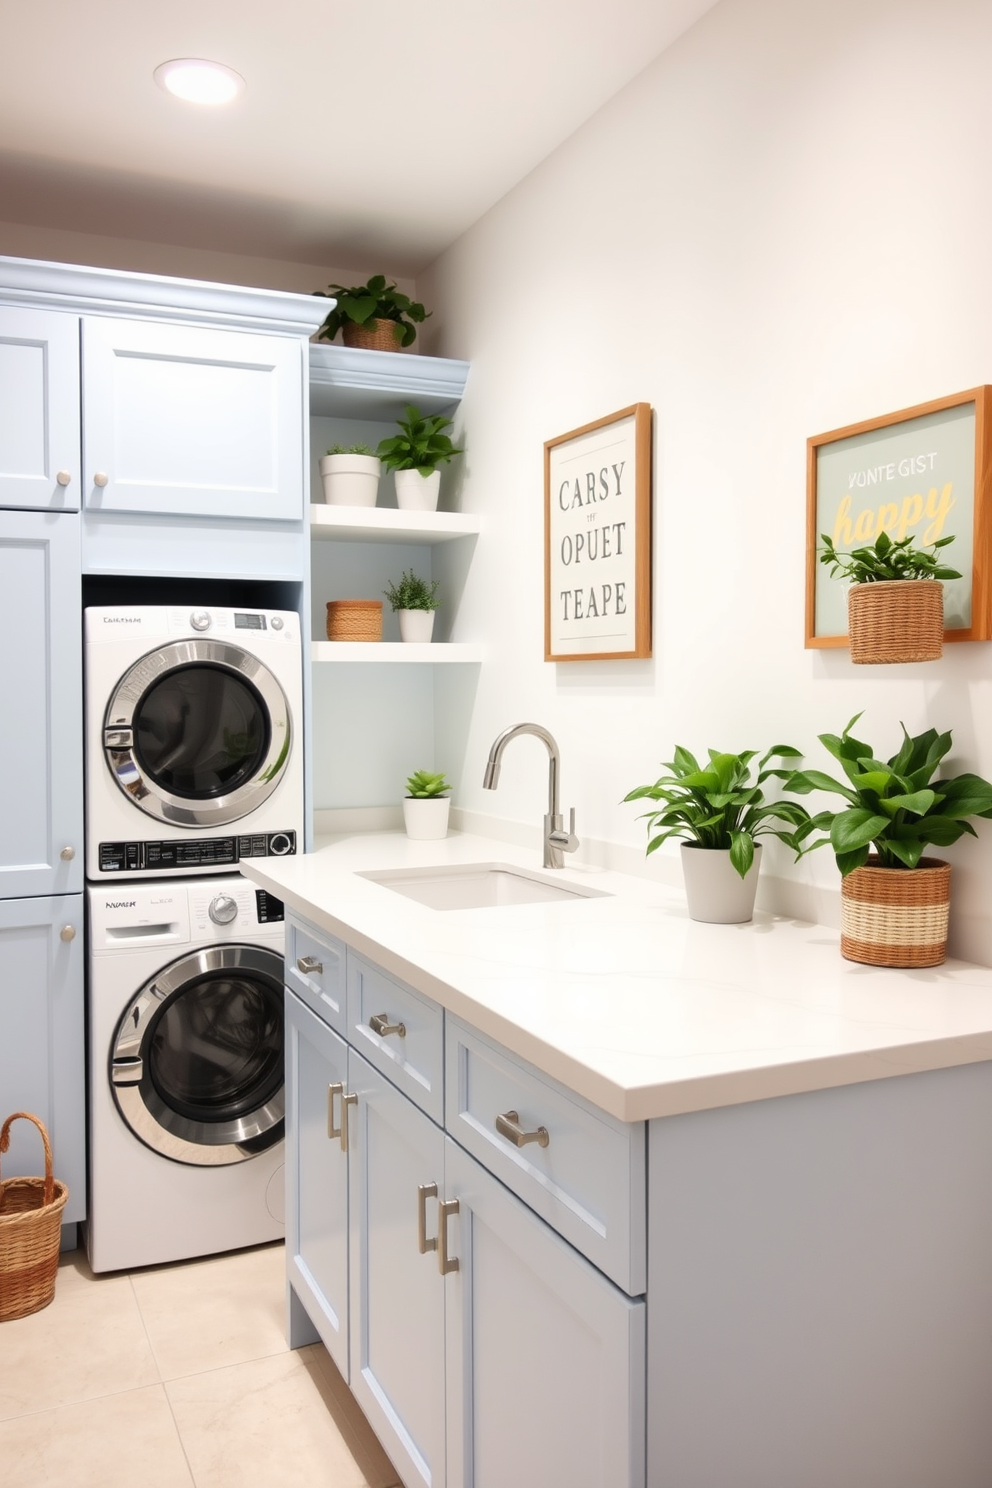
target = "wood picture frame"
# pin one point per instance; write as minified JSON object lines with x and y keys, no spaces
{"x":925,"y":470}
{"x":597,"y":539}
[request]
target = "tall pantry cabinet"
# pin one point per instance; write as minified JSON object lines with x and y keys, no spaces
{"x":154,"y":429}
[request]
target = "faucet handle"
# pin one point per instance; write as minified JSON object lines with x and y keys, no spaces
{"x":565,"y":841}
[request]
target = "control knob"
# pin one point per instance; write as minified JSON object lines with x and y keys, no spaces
{"x":223,"y":909}
{"x":200,"y":619}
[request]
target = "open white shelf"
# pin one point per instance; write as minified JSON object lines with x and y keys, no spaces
{"x":433,"y":653}
{"x":387,"y":524}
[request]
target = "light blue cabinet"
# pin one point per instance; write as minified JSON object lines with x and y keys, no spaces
{"x":41,"y":753}
{"x":41,"y":1045}
{"x":39,"y":409}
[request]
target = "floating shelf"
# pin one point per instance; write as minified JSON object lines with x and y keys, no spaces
{"x":406,"y":653}
{"x":387,"y":524}
{"x":347,"y":383}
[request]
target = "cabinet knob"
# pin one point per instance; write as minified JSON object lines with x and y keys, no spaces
{"x":63,"y":477}
{"x":309,"y":965}
{"x":67,"y":933}
{"x":100,"y":479}
{"x":67,"y":854}
{"x":380,"y":1024}
{"x":508,"y":1126}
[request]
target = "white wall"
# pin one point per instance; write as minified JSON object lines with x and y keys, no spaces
{"x":781,"y":227}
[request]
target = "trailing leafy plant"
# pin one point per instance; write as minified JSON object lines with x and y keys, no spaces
{"x":377,"y":300}
{"x":423,"y":786}
{"x":413,"y":593}
{"x":720,"y":806}
{"x":895,"y":807}
{"x":886,"y":560}
{"x":421,"y":444}
{"x":351,"y":449}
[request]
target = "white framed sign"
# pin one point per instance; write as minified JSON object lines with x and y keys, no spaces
{"x":597,"y":538}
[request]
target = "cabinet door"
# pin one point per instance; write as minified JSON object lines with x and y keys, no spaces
{"x":545,"y":1356}
{"x":317,"y":1176}
{"x":42,"y":1060}
{"x":41,"y":739}
{"x":397,"y":1292}
{"x":192,"y":422}
{"x":39,"y":409}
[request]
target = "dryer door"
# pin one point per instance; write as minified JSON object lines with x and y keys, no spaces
{"x":196,"y":1066}
{"x":197,"y":733}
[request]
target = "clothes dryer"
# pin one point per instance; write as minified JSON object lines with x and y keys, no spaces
{"x":186,"y":1097}
{"x":194,"y":738}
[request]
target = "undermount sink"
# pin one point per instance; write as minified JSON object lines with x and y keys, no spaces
{"x":477,"y":886}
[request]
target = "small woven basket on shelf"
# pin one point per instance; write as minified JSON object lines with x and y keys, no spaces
{"x":898,"y":620}
{"x":30,"y":1232}
{"x":896,"y":916}
{"x":376,"y":335}
{"x":354,"y":620}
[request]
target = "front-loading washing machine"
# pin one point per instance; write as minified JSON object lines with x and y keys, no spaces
{"x":194,"y":737}
{"x":186,"y":1097}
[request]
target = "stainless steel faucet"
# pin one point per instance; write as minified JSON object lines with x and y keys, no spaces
{"x":556,"y":840}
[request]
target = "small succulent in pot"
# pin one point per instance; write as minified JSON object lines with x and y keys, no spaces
{"x":426,"y":806}
{"x":361,"y":305}
{"x":352,"y":449}
{"x":422,"y":785}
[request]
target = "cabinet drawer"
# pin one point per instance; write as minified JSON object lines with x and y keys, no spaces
{"x":413,"y":1059}
{"x":588,"y":1181}
{"x":315,"y":971}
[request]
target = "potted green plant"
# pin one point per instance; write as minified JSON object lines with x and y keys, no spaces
{"x":350,"y":475}
{"x":719,"y":811}
{"x":894,"y":900}
{"x":414,"y":601}
{"x":375,"y":316}
{"x":415,"y":455}
{"x":425,"y":806}
{"x":895,"y":605}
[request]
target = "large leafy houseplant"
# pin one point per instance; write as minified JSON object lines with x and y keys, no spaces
{"x":421,"y":444}
{"x":363,"y":304}
{"x":719,"y":805}
{"x":894,"y":806}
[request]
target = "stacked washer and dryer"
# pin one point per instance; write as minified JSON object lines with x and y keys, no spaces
{"x":194,"y":761}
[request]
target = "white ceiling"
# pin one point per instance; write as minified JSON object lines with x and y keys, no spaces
{"x":376,"y":131}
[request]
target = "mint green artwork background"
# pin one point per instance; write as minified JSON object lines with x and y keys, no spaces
{"x":945,"y":443}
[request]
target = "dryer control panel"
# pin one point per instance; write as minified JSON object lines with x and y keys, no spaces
{"x":204,"y":852}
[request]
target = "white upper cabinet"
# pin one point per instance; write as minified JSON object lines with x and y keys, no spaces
{"x":192,"y":421}
{"x":39,"y":410}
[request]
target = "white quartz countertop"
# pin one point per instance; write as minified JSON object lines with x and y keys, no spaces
{"x":626,"y":1000}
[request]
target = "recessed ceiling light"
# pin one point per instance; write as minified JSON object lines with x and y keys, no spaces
{"x":197,"y":81}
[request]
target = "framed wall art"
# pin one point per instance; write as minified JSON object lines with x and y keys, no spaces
{"x":924,"y":472}
{"x":597,"y":539}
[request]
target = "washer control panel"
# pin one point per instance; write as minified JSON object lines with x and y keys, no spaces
{"x":204,"y":852}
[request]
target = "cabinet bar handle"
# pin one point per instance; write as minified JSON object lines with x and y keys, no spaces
{"x":308,"y":964}
{"x":424,"y":1192}
{"x":508,"y":1126}
{"x":444,"y":1263}
{"x":332,"y":1130}
{"x":380,"y":1024}
{"x":348,"y":1100}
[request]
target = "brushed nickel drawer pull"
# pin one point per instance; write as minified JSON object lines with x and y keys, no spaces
{"x":380,"y":1024}
{"x":445,"y":1264}
{"x":508,"y":1126}
{"x":309,"y":964}
{"x":346,"y":1101}
{"x":332,"y":1130}
{"x":424,"y":1192}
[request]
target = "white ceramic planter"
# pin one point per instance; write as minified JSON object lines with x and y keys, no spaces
{"x":426,"y":819}
{"x":416,"y":625}
{"x":416,"y":492}
{"x":350,"y":480}
{"x":714,"y":890}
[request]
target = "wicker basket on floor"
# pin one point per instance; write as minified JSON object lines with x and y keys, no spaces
{"x":30,"y":1232}
{"x":354,"y":620}
{"x":899,"y":620}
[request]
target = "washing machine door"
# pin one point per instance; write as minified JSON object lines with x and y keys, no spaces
{"x":196,"y":1066}
{"x":197,"y":733}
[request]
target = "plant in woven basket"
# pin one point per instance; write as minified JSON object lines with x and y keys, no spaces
{"x":422,"y":785}
{"x":895,"y":807}
{"x":886,"y":561}
{"x":895,"y":604}
{"x":363,"y":304}
{"x":413,"y":592}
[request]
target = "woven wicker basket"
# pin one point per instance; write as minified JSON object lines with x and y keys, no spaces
{"x":30,"y":1232}
{"x":377,"y":335}
{"x":896,"y":916}
{"x":899,"y":620}
{"x":354,"y":620}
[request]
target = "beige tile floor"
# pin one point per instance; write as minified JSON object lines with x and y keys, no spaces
{"x":176,"y":1377}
